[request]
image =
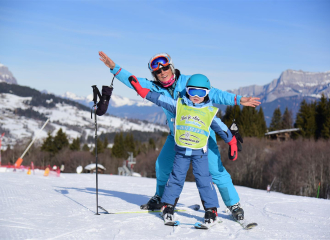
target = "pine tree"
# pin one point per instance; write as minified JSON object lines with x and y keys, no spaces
{"x":100,"y":147}
{"x":118,"y":149}
{"x":75,"y":145}
{"x":321,"y":117}
{"x":129,"y":144}
{"x":325,"y":133}
{"x":60,"y":140}
{"x":261,"y":123}
{"x":287,"y":122}
{"x":229,"y":116}
{"x":305,"y":119}
{"x":276,"y":120}
{"x":85,"y":147}
{"x":243,"y":122}
{"x":48,"y":145}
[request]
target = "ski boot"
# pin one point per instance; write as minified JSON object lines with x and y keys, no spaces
{"x":210,"y":217}
{"x":168,"y":215}
{"x":153,"y":203}
{"x":237,"y":211}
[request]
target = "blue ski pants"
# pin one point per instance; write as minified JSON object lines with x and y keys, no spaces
{"x":202,"y":175}
{"x":220,"y":176}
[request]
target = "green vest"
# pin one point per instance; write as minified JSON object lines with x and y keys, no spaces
{"x":192,"y":125}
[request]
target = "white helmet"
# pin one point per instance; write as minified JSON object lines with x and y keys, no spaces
{"x":158,"y":61}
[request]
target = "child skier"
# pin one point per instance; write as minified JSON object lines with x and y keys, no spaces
{"x":194,"y":116}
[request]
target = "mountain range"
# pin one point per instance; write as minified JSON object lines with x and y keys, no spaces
{"x":71,"y":112}
{"x":286,"y":91}
{"x":24,"y":110}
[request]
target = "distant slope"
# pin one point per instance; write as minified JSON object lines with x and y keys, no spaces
{"x":24,"y":110}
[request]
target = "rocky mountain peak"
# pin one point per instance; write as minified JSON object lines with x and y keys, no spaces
{"x":6,"y":75}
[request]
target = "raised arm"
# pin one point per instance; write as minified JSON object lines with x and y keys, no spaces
{"x":122,"y":74}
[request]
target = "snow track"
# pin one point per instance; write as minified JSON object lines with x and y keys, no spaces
{"x":38,"y":207}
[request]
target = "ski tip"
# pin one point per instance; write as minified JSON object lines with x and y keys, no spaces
{"x":251,"y":225}
{"x":175,"y":223}
{"x":198,"y":224}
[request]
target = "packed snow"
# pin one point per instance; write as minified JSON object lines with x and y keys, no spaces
{"x":38,"y":207}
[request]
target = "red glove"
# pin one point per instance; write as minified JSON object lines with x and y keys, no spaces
{"x":232,"y":153}
{"x":136,"y":85}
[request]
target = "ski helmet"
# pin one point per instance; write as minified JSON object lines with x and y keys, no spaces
{"x":199,"y":80}
{"x":158,"y":61}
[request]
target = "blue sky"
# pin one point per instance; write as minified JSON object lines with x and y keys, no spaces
{"x":54,"y":45}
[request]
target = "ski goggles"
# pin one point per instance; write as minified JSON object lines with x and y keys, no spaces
{"x":199,"y":92}
{"x":156,"y":62}
{"x":162,"y":69}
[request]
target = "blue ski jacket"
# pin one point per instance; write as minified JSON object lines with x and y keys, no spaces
{"x":170,"y":105}
{"x":178,"y":89}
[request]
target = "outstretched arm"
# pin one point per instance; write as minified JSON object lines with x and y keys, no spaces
{"x":157,"y":98}
{"x":222,"y":97}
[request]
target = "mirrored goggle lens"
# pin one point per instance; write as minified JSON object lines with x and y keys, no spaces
{"x":197,"y":92}
{"x":157,"y":61}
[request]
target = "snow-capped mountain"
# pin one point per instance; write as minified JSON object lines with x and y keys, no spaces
{"x":125,"y":107}
{"x":116,"y":100}
{"x":291,"y":83}
{"x":24,"y":110}
{"x":6,"y":75}
{"x":286,"y":91}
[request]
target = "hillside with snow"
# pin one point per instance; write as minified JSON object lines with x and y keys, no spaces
{"x":21,"y":119}
{"x":38,"y":207}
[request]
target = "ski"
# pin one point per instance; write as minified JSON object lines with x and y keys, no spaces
{"x":194,"y":207}
{"x":174,"y":223}
{"x":199,"y":225}
{"x":245,"y":224}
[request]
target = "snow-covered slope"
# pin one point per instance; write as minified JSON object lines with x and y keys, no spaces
{"x":38,"y":207}
{"x":74,"y":121}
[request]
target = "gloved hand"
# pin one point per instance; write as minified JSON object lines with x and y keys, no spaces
{"x":234,"y":130}
{"x":102,"y":105}
{"x":138,"y":88}
{"x":232,"y":153}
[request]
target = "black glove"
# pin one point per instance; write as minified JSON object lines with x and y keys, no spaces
{"x":102,"y":105}
{"x":234,"y":130}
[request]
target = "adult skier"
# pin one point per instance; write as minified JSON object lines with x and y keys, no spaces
{"x":170,"y":82}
